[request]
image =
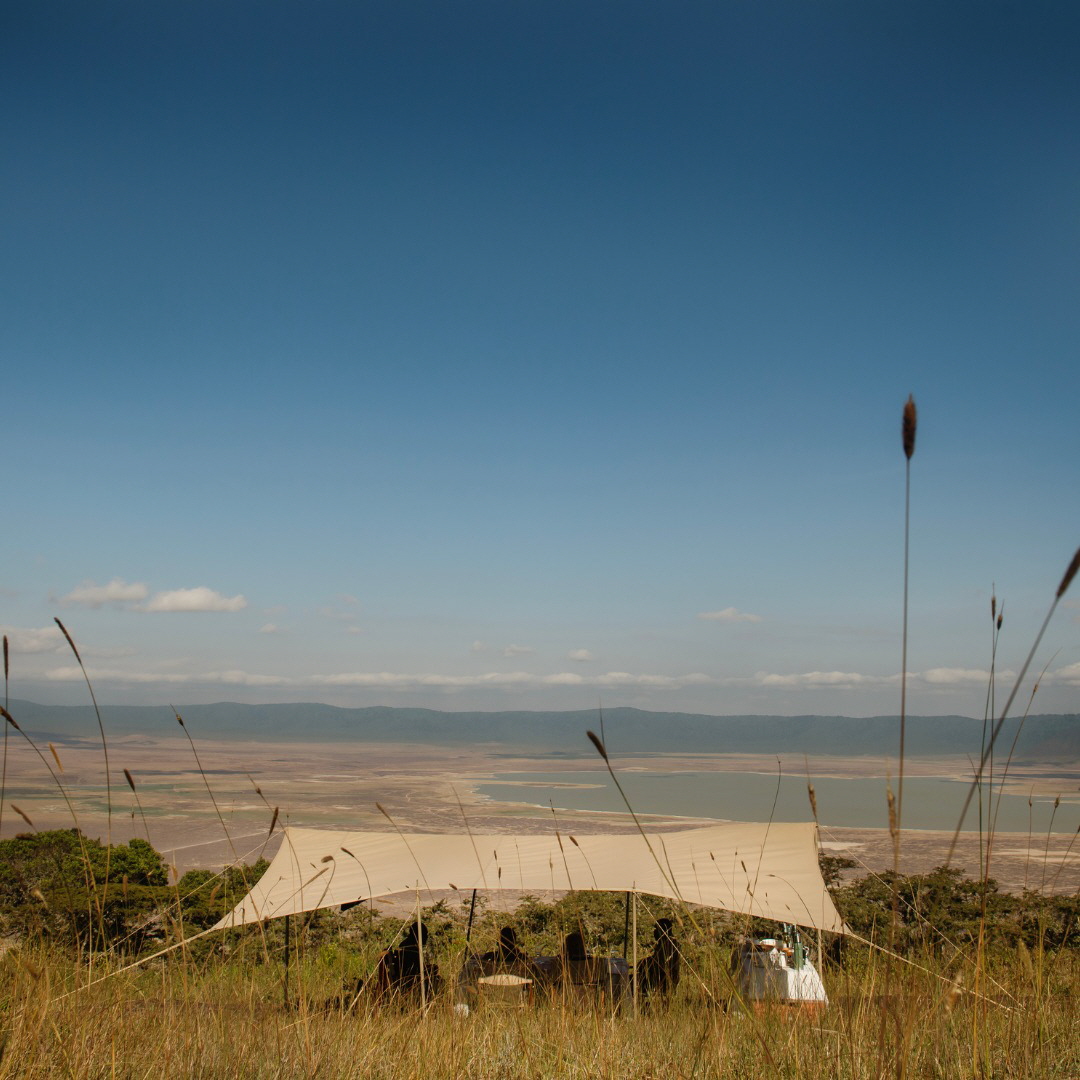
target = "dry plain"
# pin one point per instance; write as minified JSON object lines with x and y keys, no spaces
{"x":208,"y":816}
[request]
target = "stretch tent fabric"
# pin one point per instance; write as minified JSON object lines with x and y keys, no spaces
{"x":756,"y":869}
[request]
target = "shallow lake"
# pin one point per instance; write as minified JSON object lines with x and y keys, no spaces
{"x":844,"y":802}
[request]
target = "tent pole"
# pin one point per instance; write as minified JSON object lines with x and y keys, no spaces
{"x":626,"y":927}
{"x":472,"y":911}
{"x":286,"y":991}
{"x":634,"y":983}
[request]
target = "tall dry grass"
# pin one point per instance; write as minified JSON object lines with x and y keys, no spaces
{"x":182,"y":1019}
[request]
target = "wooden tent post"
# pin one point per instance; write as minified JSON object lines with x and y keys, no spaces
{"x":472,"y":911}
{"x":634,"y":983}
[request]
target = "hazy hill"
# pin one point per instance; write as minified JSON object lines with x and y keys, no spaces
{"x":1051,"y":738}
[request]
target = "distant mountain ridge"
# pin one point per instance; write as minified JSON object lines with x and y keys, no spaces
{"x":1044,"y":738}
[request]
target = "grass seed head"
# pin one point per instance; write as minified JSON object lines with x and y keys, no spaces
{"x":130,"y":779}
{"x":595,"y":740}
{"x":1066,"y":581}
{"x":70,"y":640}
{"x":9,"y":718}
{"x":908,"y":427}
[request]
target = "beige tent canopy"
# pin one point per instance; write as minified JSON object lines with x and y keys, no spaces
{"x":766,"y":870}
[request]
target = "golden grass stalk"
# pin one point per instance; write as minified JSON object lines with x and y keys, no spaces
{"x":3,"y":774}
{"x":101,"y":730}
{"x":908,"y":426}
{"x":1066,"y":581}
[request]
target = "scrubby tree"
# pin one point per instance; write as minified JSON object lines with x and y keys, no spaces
{"x":71,"y":888}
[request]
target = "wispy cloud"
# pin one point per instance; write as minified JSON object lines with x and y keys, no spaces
{"x":959,"y":679}
{"x":199,"y":598}
{"x":831,"y":679}
{"x":388,"y":680}
{"x":132,"y":596}
{"x":34,"y":639}
{"x":939,"y":678}
{"x":518,"y":650}
{"x":172,"y":678}
{"x":960,"y":676}
{"x":580,"y":656}
{"x":509,"y":679}
{"x":118,"y":591}
{"x":728,"y":615}
{"x":270,"y":628}
{"x":1070,"y":674}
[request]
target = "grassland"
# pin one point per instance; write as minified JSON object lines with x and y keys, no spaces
{"x":179,"y":1017}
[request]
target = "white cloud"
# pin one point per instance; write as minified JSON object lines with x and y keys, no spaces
{"x":582,"y":656}
{"x":228,"y":678}
{"x":959,"y":676}
{"x":34,"y":639}
{"x":960,"y":679}
{"x":355,"y":630}
{"x":478,"y":647}
{"x":118,"y":591}
{"x":936,"y":677}
{"x":386,"y":680}
{"x":517,"y":650}
{"x":1069,"y":674}
{"x":270,"y":628}
{"x":819,"y":678}
{"x":729,"y":614}
{"x":198,"y":599}
{"x":394,"y":681}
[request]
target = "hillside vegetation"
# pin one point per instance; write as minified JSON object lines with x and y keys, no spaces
{"x":629,"y":731}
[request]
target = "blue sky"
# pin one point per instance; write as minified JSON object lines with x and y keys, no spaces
{"x":531,"y":355}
